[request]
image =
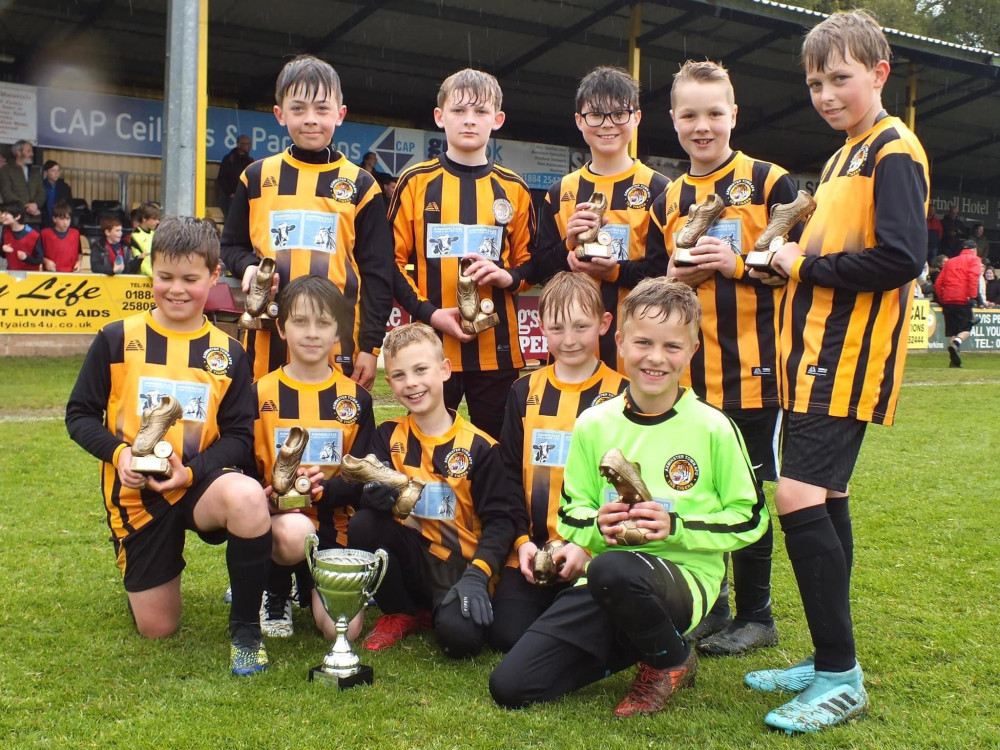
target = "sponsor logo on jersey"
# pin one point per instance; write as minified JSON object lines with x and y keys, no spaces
{"x":269,"y":405}
{"x":397,"y":447}
{"x":681,"y":472}
{"x":817,"y":371}
{"x":134,"y":346}
{"x":343,"y":190}
{"x":740,"y":192}
{"x":761,"y":371}
{"x":568,"y":196}
{"x":269,"y":181}
{"x":857,"y":161}
{"x":431,"y":207}
{"x":346,"y":409}
{"x":217,"y":360}
{"x":600,"y":398}
{"x":458,"y":462}
{"x":637,"y":196}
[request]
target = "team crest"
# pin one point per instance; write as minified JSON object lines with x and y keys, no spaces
{"x":681,"y":472}
{"x":217,"y":360}
{"x":503,"y":211}
{"x":740,"y":192}
{"x":602,"y":397}
{"x":343,"y":190}
{"x":857,"y":161}
{"x":637,"y":196}
{"x":346,"y":409}
{"x":458,"y":463}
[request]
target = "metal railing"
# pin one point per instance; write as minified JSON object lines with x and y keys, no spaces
{"x":125,"y":187}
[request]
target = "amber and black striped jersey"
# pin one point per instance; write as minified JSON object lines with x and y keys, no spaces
{"x":537,"y":429}
{"x":442,"y":211}
{"x":630,"y":194}
{"x":131,"y":364}
{"x":338,"y":415}
{"x":846,"y":311}
{"x":736,"y":366}
{"x":463,"y":511}
{"x":324,"y":218}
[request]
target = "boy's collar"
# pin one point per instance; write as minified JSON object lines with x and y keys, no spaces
{"x":463,"y":169}
{"x":327,"y":155}
{"x":723,"y":165}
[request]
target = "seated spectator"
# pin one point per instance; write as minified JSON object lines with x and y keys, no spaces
{"x":141,"y":240}
{"x":992,"y":292}
{"x":22,"y":247}
{"x":110,"y":255}
{"x":60,"y":242}
{"x":56,"y":191}
{"x":982,"y":243}
{"x":934,"y":231}
{"x":19,"y":182}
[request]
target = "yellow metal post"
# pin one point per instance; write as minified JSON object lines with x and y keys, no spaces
{"x":635,"y":28}
{"x":200,"y":151}
{"x":911,"y":101}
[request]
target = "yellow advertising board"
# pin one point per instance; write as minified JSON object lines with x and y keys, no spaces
{"x":921,"y":324}
{"x":69,"y":302}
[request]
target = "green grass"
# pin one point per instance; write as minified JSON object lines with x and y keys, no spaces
{"x":73,"y":673}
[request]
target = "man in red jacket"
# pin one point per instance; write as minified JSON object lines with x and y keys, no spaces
{"x":956,"y":289}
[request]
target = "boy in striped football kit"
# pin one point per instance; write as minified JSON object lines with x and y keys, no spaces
{"x":843,"y":326}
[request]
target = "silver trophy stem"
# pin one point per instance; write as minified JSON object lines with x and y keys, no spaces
{"x":341,"y":661}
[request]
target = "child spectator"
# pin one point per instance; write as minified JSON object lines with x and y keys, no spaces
{"x":462,"y":205}
{"x":110,"y":255}
{"x":442,"y":557}
{"x":635,"y":603}
{"x":60,"y":242}
{"x":843,"y":326}
{"x":22,"y":245}
{"x":173,"y":350}
{"x":141,"y":240}
{"x":313,"y":211}
{"x":542,"y":408}
{"x":56,"y":191}
{"x":607,"y":114}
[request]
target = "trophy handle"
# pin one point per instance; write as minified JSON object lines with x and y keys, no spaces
{"x":312,"y":542}
{"x":383,"y":564}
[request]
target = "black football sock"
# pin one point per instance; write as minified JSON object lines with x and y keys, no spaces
{"x":840,"y":514}
{"x":821,"y":574}
{"x":248,"y":561}
{"x":752,"y":579}
{"x":279,"y":580}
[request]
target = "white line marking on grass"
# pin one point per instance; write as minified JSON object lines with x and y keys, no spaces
{"x":938,"y":383}
{"x":32,"y":418}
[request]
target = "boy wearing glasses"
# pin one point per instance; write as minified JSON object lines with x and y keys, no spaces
{"x":607,"y":113}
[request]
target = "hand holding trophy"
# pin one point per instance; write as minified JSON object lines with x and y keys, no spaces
{"x":288,"y":490}
{"x":370,"y":469}
{"x":595,"y":242}
{"x":701,"y":217}
{"x":544,"y":569}
{"x":784,"y":216}
{"x":259,"y":313}
{"x":477,"y":314}
{"x":150,"y":452}
{"x":624,"y":476}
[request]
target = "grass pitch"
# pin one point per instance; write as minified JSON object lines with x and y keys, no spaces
{"x":73,"y":672}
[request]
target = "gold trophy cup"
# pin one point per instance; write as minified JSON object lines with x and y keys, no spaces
{"x":701,"y":216}
{"x":288,"y":490}
{"x":625,"y":478}
{"x":595,"y":242}
{"x":259,"y":312}
{"x":150,"y":452}
{"x":784,"y":216}
{"x":345,"y":580}
{"x":477,"y":314}
{"x":370,"y":469}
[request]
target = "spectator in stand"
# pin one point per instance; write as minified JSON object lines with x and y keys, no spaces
{"x":982,"y":243}
{"x":56,"y":191}
{"x":22,"y":247}
{"x":230,"y":169}
{"x":957,"y":290}
{"x":19,"y":182}
{"x":934,"y":232}
{"x":141,"y":240}
{"x":60,"y":242}
{"x":992,"y":291}
{"x":110,"y":255}
{"x":935,"y":269}
{"x":952,"y":232}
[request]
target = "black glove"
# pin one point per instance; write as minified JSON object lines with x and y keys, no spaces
{"x":378,"y":496}
{"x":473,"y":594}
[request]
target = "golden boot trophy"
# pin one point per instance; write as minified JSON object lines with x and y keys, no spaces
{"x":477,"y":314}
{"x":625,"y":478}
{"x":595,"y":242}
{"x":701,"y":216}
{"x":288,"y":490}
{"x":784,"y":216}
{"x":150,"y":452}
{"x":370,"y":469}
{"x":544,"y":569}
{"x":259,"y":313}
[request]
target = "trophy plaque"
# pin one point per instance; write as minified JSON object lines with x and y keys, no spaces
{"x":150,"y":452}
{"x":259,"y":312}
{"x":345,"y":580}
{"x":625,"y":478}
{"x":596,"y":242}
{"x":784,"y":216}
{"x":370,"y":469}
{"x":701,"y":216}
{"x":288,"y":490}
{"x":477,"y":314}
{"x":544,"y":569}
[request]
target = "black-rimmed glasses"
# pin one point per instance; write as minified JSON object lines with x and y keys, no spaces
{"x":597,"y":119}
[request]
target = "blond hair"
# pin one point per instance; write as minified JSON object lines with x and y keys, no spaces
{"x":563,"y":290}
{"x":412,"y":333}
{"x":660,"y":297}
{"x":702,"y":71}
{"x":857,"y":32}
{"x":473,"y":86}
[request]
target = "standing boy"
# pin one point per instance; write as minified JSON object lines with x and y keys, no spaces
{"x":22,"y":245}
{"x":462,"y":205}
{"x":957,"y":290}
{"x":173,"y":350}
{"x":843,"y":323}
{"x":60,"y":242}
{"x":141,"y":239}
{"x":542,"y":408}
{"x":736,"y":366}
{"x":607,"y":114}
{"x":110,"y":255}
{"x":636,"y":603}
{"x":442,"y":557}
{"x":314,"y":212}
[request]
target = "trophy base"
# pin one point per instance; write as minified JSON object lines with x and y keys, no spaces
{"x":683,"y":258}
{"x":152,"y":465}
{"x":364,"y":675}
{"x":592,"y":250}
{"x":760,"y":261}
{"x":480,"y":324}
{"x":250,"y":323}
{"x":292,"y":501}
